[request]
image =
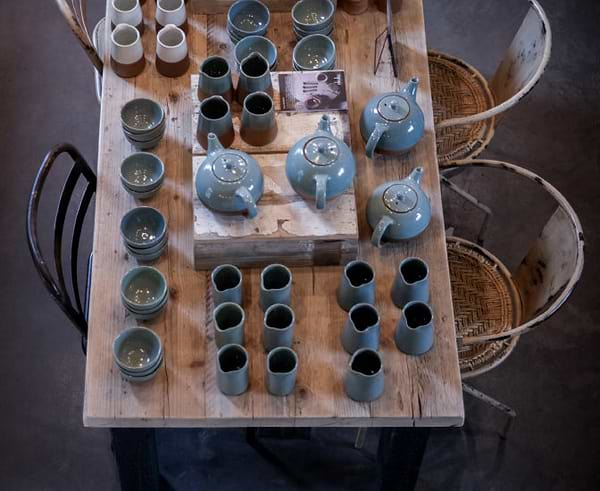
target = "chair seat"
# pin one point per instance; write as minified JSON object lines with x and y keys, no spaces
{"x":485,"y":301}
{"x":458,"y":90}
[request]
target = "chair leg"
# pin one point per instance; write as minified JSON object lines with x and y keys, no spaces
{"x":361,"y":435}
{"x":475,"y":202}
{"x":489,"y":400}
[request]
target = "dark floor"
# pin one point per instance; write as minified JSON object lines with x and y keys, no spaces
{"x":552,"y":379}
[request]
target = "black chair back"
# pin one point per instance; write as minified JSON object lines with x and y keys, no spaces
{"x":54,"y":277}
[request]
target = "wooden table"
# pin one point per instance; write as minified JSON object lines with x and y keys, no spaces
{"x":420,"y":391}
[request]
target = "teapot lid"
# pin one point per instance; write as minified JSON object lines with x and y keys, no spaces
{"x":230,"y":167}
{"x":321,"y":150}
{"x":400,"y":198}
{"x":393,"y":107}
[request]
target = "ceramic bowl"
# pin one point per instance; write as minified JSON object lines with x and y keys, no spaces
{"x":143,"y":289}
{"x":248,"y":17}
{"x":157,"y":132}
{"x":145,"y":195}
{"x":148,"y":250}
{"x":259,"y":44}
{"x":314,"y":52}
{"x":143,"y":227}
{"x":135,"y":379}
{"x":142,"y":314}
{"x":137,"y":350}
{"x":142,"y":171}
{"x":312,"y":15}
{"x":300,"y":33}
{"x":141,"y":115}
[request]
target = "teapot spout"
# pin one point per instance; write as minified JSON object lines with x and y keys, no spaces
{"x":412,"y":86}
{"x":325,"y":124}
{"x":416,"y":175}
{"x":214,"y":144}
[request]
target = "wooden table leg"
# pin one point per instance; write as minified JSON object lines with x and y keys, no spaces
{"x":137,"y":458}
{"x":399,"y":457}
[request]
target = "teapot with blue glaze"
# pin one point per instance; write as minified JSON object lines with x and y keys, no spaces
{"x":320,"y":166}
{"x":393,"y":122}
{"x":399,"y":210}
{"x":229,"y":181}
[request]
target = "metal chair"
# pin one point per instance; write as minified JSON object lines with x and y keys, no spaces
{"x":493,"y":307}
{"x":75,"y":13}
{"x":466,"y":107}
{"x":53,"y":276}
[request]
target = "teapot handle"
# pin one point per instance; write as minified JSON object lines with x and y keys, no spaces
{"x":378,"y":132}
{"x":243,"y":193}
{"x":379,"y":230}
{"x":321,"y":192}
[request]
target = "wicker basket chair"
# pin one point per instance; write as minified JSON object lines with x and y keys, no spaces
{"x":466,"y":108}
{"x":75,"y":13}
{"x":494,"y":307}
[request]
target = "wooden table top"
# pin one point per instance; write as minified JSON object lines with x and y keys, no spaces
{"x":420,"y":391}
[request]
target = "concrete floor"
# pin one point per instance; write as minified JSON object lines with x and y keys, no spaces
{"x":552,"y":379}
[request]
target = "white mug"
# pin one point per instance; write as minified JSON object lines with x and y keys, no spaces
{"x":171,"y":12}
{"x":172,"y":58}
{"x":126,"y":50}
{"x":126,"y":12}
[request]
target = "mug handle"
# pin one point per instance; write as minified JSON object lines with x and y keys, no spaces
{"x":321,"y":193}
{"x":243,"y":193}
{"x":378,"y":132}
{"x":379,"y":230}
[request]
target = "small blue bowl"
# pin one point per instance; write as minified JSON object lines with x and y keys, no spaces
{"x":248,"y":17}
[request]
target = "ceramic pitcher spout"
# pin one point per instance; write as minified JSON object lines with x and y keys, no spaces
{"x":412,"y":86}
{"x":416,"y":175}
{"x":214,"y":144}
{"x":325,"y":124}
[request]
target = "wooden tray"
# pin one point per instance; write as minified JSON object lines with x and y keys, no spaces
{"x":288,"y":228}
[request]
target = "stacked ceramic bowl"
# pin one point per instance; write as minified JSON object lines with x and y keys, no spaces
{"x":314,"y":52}
{"x":256,"y":44}
{"x":247,"y":18}
{"x":144,"y":292}
{"x":143,"y":122}
{"x":138,"y":353}
{"x":144,"y":233}
{"x":142,"y":174}
{"x":313,"y":17}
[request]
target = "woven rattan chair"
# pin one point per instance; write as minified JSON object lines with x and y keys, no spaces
{"x":466,"y":107}
{"x":75,"y":13}
{"x":494,"y":307}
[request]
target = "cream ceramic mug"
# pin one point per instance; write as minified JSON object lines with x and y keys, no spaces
{"x":126,"y":12}
{"x":172,"y":58}
{"x":126,"y":51}
{"x":171,"y":12}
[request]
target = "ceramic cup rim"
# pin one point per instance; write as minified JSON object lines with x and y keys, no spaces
{"x":212,"y":58}
{"x":353,"y":263}
{"x":306,"y":39}
{"x":417,"y":259}
{"x":144,"y":209}
{"x":130,"y":331}
{"x":366,"y":306}
{"x":420,"y":326}
{"x":225,"y":347}
{"x":137,"y":270}
{"x":167,"y":11}
{"x":276,"y":350}
{"x":328,"y":19}
{"x":273,"y":266}
{"x":254,"y":54}
{"x":165,"y":30}
{"x":219,"y":98}
{"x":256,"y":2}
{"x":223,"y":306}
{"x":121,"y":11}
{"x":279,"y":306}
{"x":220,"y":267}
{"x":259,"y":93}
{"x":122,"y":27}
{"x":148,"y":155}
{"x":362,"y":350}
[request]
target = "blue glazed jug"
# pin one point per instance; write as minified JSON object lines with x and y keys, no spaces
{"x":393,"y":122}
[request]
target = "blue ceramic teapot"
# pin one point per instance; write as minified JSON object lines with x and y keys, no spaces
{"x":393,"y":122}
{"x":399,"y":210}
{"x":320,"y":166}
{"x":228,"y":180}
